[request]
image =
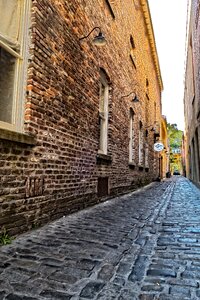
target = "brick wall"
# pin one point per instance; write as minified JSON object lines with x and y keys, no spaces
{"x":192,"y":95}
{"x":59,"y":173}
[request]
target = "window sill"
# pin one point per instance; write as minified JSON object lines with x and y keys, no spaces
{"x":17,"y":137}
{"x":140,"y":168}
{"x":103,"y":159}
{"x":131,"y":165}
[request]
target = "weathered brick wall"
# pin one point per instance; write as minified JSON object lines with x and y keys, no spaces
{"x":192,"y":95}
{"x":59,"y":174}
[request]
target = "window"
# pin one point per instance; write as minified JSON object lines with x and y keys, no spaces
{"x":141,"y":144}
{"x":146,"y":158}
{"x":132,"y":54}
{"x":132,"y":42}
{"x":103,"y":113}
{"x":110,"y":8}
{"x":13,"y":30}
{"x":102,"y":187}
{"x":131,"y":145}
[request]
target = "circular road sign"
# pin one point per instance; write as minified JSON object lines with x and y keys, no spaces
{"x":158,"y":146}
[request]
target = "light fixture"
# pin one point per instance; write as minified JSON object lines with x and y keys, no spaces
{"x":153,"y":127}
{"x":98,"y":40}
{"x":135,"y":99}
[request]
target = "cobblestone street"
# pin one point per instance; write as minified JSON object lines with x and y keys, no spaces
{"x":144,"y":245}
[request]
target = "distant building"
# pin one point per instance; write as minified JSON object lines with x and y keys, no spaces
{"x":192,"y":95}
{"x":176,"y":150}
{"x":164,"y":155}
{"x":75,"y":118}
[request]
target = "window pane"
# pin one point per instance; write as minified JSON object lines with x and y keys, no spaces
{"x":102,"y":95}
{"x":7,"y":75}
{"x":10,"y":20}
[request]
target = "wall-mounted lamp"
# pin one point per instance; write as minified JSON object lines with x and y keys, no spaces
{"x":135,"y":99}
{"x":153,"y":127}
{"x":98,"y":40}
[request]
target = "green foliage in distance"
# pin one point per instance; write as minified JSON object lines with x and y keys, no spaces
{"x":174,"y":135}
{"x":175,"y":142}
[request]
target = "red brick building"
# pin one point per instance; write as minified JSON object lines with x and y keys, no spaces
{"x":72,"y":131}
{"x":192,"y":95}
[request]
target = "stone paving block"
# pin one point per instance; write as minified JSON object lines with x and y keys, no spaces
{"x":152,"y":280}
{"x":2,"y":294}
{"x":92,"y":289}
{"x":152,"y":288}
{"x":198,"y":293}
{"x":119,"y":280}
{"x":187,"y":240}
{"x":166,"y":241}
{"x":62,"y":277}
{"x":193,"y":268}
{"x":128,"y":294}
{"x":195,"y":263}
{"x":106,"y":272}
{"x":163,"y":265}
{"x":21,"y":288}
{"x":111,"y":292}
{"x":190,"y":275}
{"x":165,"y":255}
{"x":141,"y":241}
{"x":169,"y":297}
{"x":138,"y":270}
{"x":124,"y":269}
{"x":146,"y":297}
{"x":190,"y":257}
{"x":191,"y":229}
{"x":162,"y":272}
{"x":18,"y":297}
{"x":12,"y":276}
{"x":87,"y":264}
{"x":55,"y":295}
{"x":47,"y":284}
{"x":148,"y":247}
{"x":183,"y":282}
{"x":51,"y":262}
{"x":174,"y":290}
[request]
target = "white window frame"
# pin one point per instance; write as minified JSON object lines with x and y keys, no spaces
{"x":131,"y":136}
{"x":146,"y":155}
{"x":103,"y":115}
{"x":20,"y":70}
{"x":140,"y":150}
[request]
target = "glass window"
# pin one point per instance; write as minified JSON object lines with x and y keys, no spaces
{"x":7,"y":79}
{"x":103,"y":114}
{"x":131,"y":145}
{"x":141,"y":140}
{"x":13,"y":26}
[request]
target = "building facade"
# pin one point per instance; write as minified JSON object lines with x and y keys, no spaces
{"x":192,"y":95}
{"x":74,"y":117}
{"x":164,"y":155}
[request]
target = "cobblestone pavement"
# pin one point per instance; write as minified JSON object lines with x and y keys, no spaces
{"x":144,"y":245}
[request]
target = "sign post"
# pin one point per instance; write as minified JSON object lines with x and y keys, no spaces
{"x":158,"y":147}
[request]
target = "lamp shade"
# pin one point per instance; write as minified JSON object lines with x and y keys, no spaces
{"x":99,"y":40}
{"x":135,"y":99}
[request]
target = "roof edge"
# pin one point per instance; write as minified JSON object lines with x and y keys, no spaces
{"x":151,"y":36}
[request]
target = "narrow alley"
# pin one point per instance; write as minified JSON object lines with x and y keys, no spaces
{"x":142,"y":245}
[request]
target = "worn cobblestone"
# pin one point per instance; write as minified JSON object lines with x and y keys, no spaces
{"x":144,"y":245}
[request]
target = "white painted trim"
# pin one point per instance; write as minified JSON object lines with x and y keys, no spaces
{"x":131,"y":157}
{"x":21,"y":68}
{"x":103,"y":143}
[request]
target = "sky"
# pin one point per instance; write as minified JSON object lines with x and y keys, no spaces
{"x":169,"y":19}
